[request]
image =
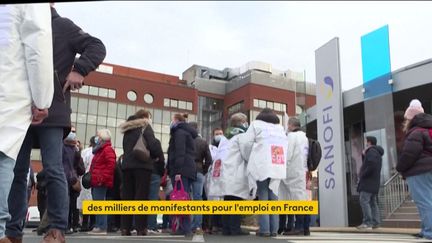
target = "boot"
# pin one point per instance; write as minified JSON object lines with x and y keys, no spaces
{"x":12,"y":239}
{"x":54,"y":236}
{"x":5,"y":240}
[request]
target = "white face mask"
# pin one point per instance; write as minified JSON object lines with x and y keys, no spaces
{"x":218,"y":138}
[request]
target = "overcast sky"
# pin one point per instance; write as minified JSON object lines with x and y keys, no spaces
{"x":169,"y":37}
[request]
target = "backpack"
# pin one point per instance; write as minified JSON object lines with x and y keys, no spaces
{"x":314,"y":154}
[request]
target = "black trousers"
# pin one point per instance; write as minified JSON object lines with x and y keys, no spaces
{"x":73,"y":210}
{"x":136,"y":186}
{"x":231,"y":223}
{"x":88,"y":222}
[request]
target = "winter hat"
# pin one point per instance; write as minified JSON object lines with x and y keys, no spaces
{"x":414,"y":108}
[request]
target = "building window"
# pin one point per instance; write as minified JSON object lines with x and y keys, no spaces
{"x":131,"y":95}
{"x":167,"y":102}
{"x":103,"y":92}
{"x":235,"y":108}
{"x":178,"y":104}
{"x":148,"y":98}
{"x":112,"y":93}
{"x":84,"y":90}
{"x":94,"y":91}
{"x":257,"y":103}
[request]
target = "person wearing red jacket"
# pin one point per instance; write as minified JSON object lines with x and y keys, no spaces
{"x":102,"y":174}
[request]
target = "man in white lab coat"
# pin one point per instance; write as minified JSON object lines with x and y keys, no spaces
{"x":26,"y":84}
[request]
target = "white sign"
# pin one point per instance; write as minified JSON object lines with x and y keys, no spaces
{"x":332,"y":177}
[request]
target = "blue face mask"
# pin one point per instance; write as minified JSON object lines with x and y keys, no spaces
{"x":245,"y":125}
{"x":97,"y":140}
{"x":71,"y":136}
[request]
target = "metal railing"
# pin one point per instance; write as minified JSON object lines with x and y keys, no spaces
{"x":392,"y":195}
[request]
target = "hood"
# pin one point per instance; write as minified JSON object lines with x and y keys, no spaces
{"x":378,"y":148}
{"x":423,"y":120}
{"x":54,"y":13}
{"x":132,"y":124}
{"x":186,"y":127}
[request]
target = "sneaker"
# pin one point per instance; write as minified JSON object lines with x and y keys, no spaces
{"x":364,"y":227}
{"x":418,"y":235}
{"x":97,"y":231}
{"x":153,"y":232}
{"x":198,"y":231}
{"x":375,"y":227}
{"x":307,"y":232}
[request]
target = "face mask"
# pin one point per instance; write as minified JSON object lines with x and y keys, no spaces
{"x":218,"y":138}
{"x":96,"y":140}
{"x":71,"y":136}
{"x":172,"y":124}
{"x":245,"y":125}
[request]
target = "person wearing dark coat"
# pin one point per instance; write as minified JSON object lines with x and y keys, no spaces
{"x":114,"y":194}
{"x":69,"y":72}
{"x":203,"y":161}
{"x":369,"y":184}
{"x":181,"y":160}
{"x":137,"y":173}
{"x":415,"y":163}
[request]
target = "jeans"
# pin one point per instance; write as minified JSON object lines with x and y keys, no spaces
{"x":99,"y":193}
{"x":51,"y":143}
{"x":185,"y":225}
{"x":267,"y":223}
{"x":420,"y":187}
{"x":197,"y":193}
{"x":153,"y":195}
{"x":6,"y":177}
{"x":370,"y":210}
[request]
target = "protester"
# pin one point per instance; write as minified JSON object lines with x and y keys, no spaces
{"x":157,"y":174}
{"x":73,"y":168}
{"x":181,"y":163}
{"x":137,"y":173}
{"x":265,"y":147}
{"x":415,"y":163}
{"x":228,"y":175}
{"x":26,"y":93}
{"x":68,"y":41}
{"x":113,"y":194}
{"x":88,"y":221}
{"x":203,"y":160}
{"x":102,"y":174}
{"x":369,"y":184}
{"x":293,"y":187}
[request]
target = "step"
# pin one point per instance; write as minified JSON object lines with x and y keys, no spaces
{"x":404,"y":209}
{"x":408,"y":203}
{"x":398,"y":223}
{"x":404,"y":216}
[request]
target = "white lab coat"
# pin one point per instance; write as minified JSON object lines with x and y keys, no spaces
{"x":265,"y":147}
{"x":293,"y":187}
{"x":26,"y":70}
{"x":85,"y":194}
{"x":232,"y":180}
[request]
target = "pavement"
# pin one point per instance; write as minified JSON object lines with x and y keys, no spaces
{"x":345,"y":235}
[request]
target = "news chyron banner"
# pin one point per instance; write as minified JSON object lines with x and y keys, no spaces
{"x":200,"y":207}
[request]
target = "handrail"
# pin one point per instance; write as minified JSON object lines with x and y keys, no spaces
{"x":392,"y":195}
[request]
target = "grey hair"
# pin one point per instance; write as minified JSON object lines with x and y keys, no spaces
{"x":294,"y":121}
{"x":105,"y":134}
{"x":237,"y":119}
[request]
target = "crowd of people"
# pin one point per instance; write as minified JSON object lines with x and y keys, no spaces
{"x":260,"y":161}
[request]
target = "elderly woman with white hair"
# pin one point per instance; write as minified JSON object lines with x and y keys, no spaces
{"x":102,"y":174}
